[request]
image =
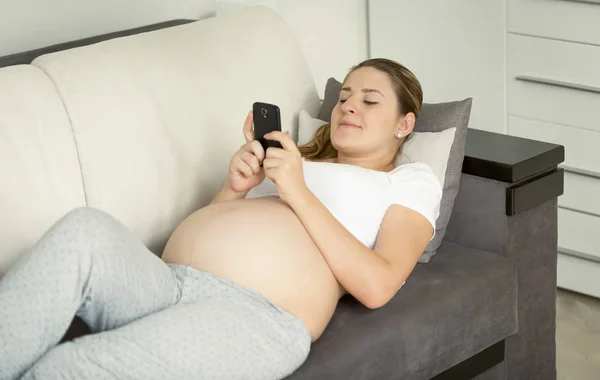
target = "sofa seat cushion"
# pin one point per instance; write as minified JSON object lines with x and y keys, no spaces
{"x":461,"y":302}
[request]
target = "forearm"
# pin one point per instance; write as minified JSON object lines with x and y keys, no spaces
{"x":356,"y":267}
{"x":226,"y":194}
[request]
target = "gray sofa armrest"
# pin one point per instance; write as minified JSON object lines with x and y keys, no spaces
{"x":507,"y":203}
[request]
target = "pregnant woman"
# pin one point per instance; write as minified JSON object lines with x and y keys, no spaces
{"x":247,"y":283}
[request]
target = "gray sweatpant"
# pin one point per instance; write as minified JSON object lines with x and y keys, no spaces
{"x":149,"y":319}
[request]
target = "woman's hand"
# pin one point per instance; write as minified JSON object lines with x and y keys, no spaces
{"x":284,"y":167}
{"x":245,"y":169}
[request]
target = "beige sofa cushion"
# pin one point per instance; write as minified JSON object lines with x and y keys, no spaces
{"x":41,"y":178}
{"x":157,"y":116}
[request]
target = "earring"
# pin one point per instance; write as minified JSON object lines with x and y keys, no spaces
{"x":399,"y":135}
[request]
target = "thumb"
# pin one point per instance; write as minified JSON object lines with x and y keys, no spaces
{"x":248,"y":130}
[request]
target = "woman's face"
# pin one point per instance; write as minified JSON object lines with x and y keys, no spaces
{"x":366,"y":118}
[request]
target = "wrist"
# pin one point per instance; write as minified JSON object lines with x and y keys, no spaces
{"x":301,"y":199}
{"x":228,"y":194}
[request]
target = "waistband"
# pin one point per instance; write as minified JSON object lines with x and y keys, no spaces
{"x":200,"y":284}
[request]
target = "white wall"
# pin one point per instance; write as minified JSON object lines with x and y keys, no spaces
{"x":30,"y":24}
{"x":332,"y":33}
{"x":456,"y":48}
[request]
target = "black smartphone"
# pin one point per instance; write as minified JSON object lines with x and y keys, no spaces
{"x":267,"y":118}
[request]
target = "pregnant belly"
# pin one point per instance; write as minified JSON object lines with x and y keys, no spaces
{"x":262,"y":245}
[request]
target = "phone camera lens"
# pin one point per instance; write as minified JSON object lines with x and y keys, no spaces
{"x":264,"y":111}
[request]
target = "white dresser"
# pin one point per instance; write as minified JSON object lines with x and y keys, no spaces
{"x":553,"y":94}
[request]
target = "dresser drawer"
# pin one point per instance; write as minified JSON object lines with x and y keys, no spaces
{"x":554,"y":81}
{"x":579,"y":234}
{"x":581,"y":193}
{"x":579,"y":275}
{"x":570,"y":20}
{"x":581,"y":146}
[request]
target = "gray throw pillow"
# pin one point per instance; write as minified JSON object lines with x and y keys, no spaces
{"x":435,"y":117}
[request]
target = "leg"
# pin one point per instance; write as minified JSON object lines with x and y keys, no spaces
{"x":212,"y":339}
{"x":87,"y":264}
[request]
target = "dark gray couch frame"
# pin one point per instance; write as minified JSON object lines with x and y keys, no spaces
{"x":509,"y":187}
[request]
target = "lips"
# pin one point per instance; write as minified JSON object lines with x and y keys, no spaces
{"x":349,"y":124}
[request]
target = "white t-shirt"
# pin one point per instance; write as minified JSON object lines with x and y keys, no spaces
{"x":358,"y":198}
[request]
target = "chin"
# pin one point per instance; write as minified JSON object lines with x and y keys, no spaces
{"x":345,"y":145}
{"x":344,"y":138}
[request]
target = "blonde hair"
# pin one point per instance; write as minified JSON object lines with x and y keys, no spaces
{"x":410,"y":99}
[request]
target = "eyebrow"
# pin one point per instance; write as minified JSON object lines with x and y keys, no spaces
{"x":365,"y":90}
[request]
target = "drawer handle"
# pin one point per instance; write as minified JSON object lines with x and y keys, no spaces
{"x":558,"y":83}
{"x":579,"y":255}
{"x":596,"y":2}
{"x":582,"y":172}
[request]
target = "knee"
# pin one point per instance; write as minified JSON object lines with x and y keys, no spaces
{"x":83,"y":214}
{"x":84,"y":224}
{"x":83,"y":217}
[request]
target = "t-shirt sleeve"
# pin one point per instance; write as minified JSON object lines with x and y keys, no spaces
{"x":416,"y":187}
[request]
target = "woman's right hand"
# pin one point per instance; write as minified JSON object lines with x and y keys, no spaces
{"x":245,"y":168}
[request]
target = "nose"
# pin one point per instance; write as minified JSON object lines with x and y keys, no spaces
{"x":348,"y":106}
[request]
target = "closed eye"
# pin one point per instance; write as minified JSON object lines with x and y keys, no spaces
{"x":364,"y":101}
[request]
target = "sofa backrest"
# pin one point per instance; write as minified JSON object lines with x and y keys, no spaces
{"x":38,"y":161}
{"x":156,"y":117}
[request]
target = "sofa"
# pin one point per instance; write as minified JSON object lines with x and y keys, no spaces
{"x":142,"y":124}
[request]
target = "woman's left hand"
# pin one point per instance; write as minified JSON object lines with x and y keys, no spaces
{"x":284,"y":166}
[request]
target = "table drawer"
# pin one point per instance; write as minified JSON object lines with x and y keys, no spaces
{"x":571,"y":20}
{"x":581,"y":146}
{"x":581,"y":193}
{"x":554,"y":81}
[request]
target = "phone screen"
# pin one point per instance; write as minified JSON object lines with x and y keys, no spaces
{"x":267,"y":118}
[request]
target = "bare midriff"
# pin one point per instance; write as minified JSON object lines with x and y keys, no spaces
{"x":261,"y":244}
